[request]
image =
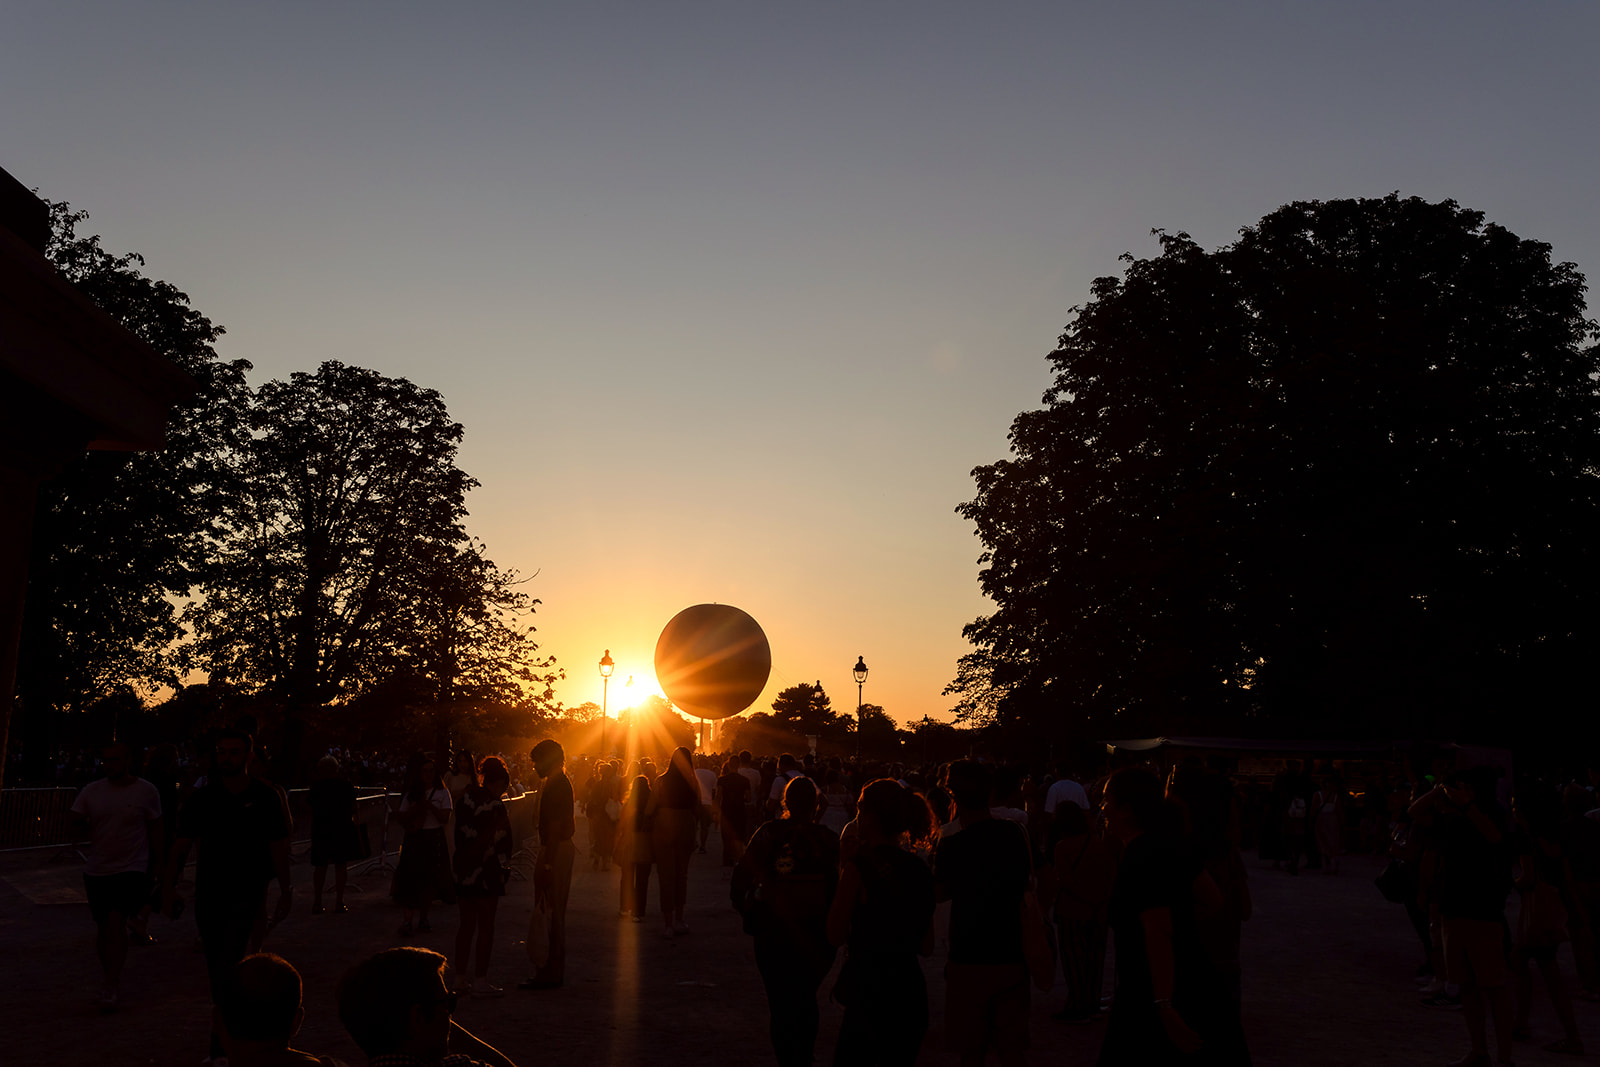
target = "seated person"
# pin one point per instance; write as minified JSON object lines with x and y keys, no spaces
{"x":397,"y":1007}
{"x":263,"y":1012}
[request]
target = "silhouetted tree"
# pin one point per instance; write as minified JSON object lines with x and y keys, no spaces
{"x":1340,"y":475}
{"x":805,"y":709}
{"x":119,"y":537}
{"x":879,"y":734}
{"x":467,"y":635}
{"x":340,"y":539}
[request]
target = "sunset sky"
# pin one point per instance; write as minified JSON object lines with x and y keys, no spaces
{"x":731,"y":298}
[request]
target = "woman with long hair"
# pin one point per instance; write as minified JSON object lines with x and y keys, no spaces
{"x":1167,"y":1008}
{"x":783,"y":886}
{"x":883,"y":911}
{"x":482,"y":861}
{"x":423,"y":873}
{"x":673,"y":809}
{"x":633,"y":850}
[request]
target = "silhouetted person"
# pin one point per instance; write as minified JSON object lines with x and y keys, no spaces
{"x":1471,"y":886}
{"x":884,"y":911}
{"x":1168,"y":1006}
{"x":423,"y":873}
{"x":121,"y":815}
{"x":600,"y":796}
{"x":1084,"y":866}
{"x":482,"y":865}
{"x":1542,"y":919}
{"x":263,"y":1013}
{"x":333,"y":831}
{"x":733,"y":801}
{"x":634,"y":851}
{"x":984,"y":870}
{"x":237,"y":822}
{"x":784,"y":887}
{"x":552,"y":873}
{"x":674,"y":811}
{"x":398,"y":1011}
{"x":788,"y":769}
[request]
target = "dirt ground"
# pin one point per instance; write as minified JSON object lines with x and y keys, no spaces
{"x":1327,"y":980}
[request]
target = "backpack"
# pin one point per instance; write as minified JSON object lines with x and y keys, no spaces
{"x":793,"y":891}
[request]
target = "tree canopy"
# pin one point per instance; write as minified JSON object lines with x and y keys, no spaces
{"x":804,"y":709}
{"x":302,"y":544}
{"x":1340,"y":475}
{"x":119,"y":538}
{"x":342,"y":557}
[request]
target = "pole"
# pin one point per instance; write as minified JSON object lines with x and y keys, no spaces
{"x":605,"y":694}
{"x":858,"y":721}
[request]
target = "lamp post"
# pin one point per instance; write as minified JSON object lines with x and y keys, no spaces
{"x":607,"y":665}
{"x":860,"y":671}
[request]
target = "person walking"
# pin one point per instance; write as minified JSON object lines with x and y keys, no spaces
{"x":1085,"y":869}
{"x":1471,"y":885}
{"x":237,"y":822}
{"x":333,"y":831}
{"x":634,"y":851}
{"x":883,"y":912}
{"x":482,"y":860}
{"x":552,"y":873}
{"x":1168,"y":1007}
{"x":733,"y":802}
{"x":122,"y":816}
{"x":1328,"y":823}
{"x":422,"y":874}
{"x":784,"y":887}
{"x":984,"y":868}
{"x":708,"y":796}
{"x":600,"y":804}
{"x":674,"y":803}
{"x":1543,"y":921}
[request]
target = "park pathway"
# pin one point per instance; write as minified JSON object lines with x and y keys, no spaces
{"x":1328,"y":967}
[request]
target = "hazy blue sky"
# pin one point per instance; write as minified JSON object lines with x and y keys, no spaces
{"x":731,"y":298}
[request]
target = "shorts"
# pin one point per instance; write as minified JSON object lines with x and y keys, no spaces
{"x":986,"y":1006}
{"x":1474,"y":952}
{"x":126,"y":894}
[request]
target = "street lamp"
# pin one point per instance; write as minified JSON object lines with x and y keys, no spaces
{"x":860,"y":671}
{"x":607,"y":665}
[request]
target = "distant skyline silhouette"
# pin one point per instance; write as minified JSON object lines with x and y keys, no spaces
{"x":731,"y":302}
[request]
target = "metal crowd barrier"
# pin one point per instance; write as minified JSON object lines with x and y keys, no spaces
{"x":35,"y":818}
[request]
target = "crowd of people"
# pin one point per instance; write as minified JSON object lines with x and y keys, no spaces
{"x":1043,"y":874}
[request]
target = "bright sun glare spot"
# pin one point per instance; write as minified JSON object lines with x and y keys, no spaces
{"x":637,"y":688}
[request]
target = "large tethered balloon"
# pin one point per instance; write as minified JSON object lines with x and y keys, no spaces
{"x":712,"y":660}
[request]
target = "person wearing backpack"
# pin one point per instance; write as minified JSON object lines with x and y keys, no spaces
{"x":784,"y":886}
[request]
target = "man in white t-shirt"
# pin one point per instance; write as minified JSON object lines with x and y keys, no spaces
{"x":747,"y":767}
{"x":121,"y":816}
{"x":1062,"y":789}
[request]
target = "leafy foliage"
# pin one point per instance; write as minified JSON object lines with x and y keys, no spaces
{"x":342,"y":558}
{"x":119,"y":538}
{"x":1340,"y":475}
{"x":805,"y":709}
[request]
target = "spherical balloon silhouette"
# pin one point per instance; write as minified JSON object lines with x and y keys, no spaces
{"x":712,"y":660}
